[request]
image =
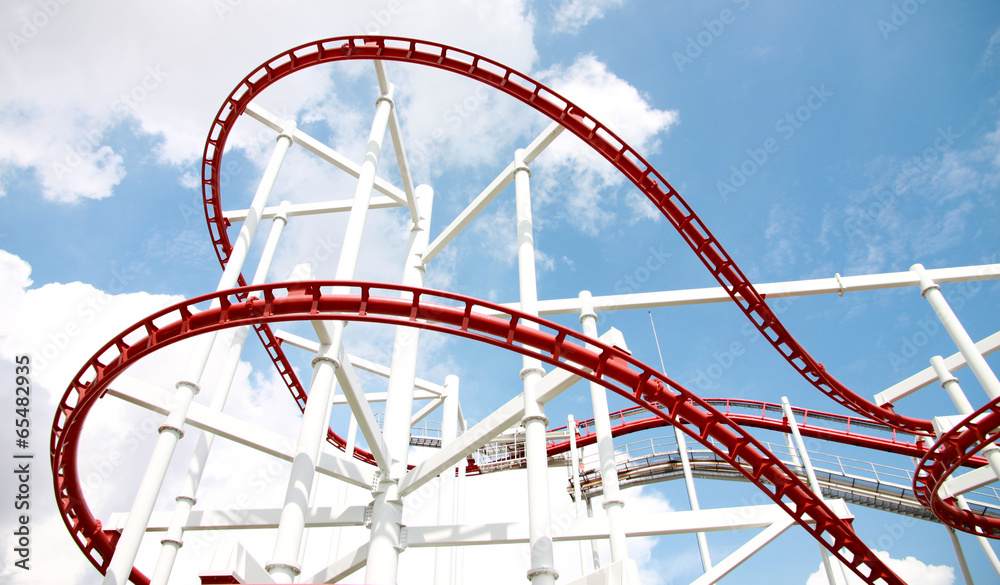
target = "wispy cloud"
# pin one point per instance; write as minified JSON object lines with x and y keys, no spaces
{"x":572,"y":15}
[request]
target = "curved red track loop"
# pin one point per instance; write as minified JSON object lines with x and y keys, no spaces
{"x":453,"y":315}
{"x":952,"y":450}
{"x":577,"y":121}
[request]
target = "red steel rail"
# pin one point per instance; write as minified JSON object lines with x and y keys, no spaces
{"x":454,"y":315}
{"x":629,"y":162}
{"x":952,"y":450}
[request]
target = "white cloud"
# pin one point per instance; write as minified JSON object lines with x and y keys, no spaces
{"x":572,"y":15}
{"x":128,"y":69}
{"x":910,"y":569}
{"x":585,"y":185}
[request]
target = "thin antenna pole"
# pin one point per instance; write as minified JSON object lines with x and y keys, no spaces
{"x":706,"y":559}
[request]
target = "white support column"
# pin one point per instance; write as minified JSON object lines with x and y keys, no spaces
{"x":283,"y":566}
{"x":960,"y":555}
{"x":444,"y":567}
{"x":613,"y":502}
{"x":965,"y":408}
{"x":459,"y":577}
{"x":581,"y":508}
{"x":828,"y":563}
{"x":341,"y":499}
{"x":387,"y":513}
{"x":977,"y":363}
{"x":173,"y":540}
{"x":171,"y":430}
{"x":595,"y":557}
{"x":706,"y":559}
{"x":542,"y":569}
{"x":984,"y":542}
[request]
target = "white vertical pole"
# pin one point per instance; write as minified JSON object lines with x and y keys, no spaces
{"x":387,"y":513}
{"x":171,"y":430}
{"x":581,"y":508}
{"x":173,"y":540}
{"x":706,"y":559}
{"x":611,"y":487}
{"x":460,"y":519}
{"x":352,"y":436}
{"x":984,"y":542}
{"x":443,"y":555}
{"x":542,"y":569}
{"x":595,"y":555}
{"x":962,"y":563}
{"x":283,"y":567}
{"x":967,"y":347}
{"x":800,"y":445}
{"x":950,"y":383}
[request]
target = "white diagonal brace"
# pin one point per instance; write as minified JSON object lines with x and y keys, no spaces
{"x":927,"y":376}
{"x":360,"y":363}
{"x":300,"y":209}
{"x":229,"y":427}
{"x":423,"y":412}
{"x":344,"y":566}
{"x":397,"y":143}
{"x":492,"y":190}
{"x":958,"y":485}
{"x":550,"y":386}
{"x":762,"y":539}
{"x":323,"y":151}
{"x":355,"y":395}
{"x":242,"y":519}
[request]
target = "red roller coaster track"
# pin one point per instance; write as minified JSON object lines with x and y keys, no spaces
{"x":558,"y":346}
{"x":553,"y":344}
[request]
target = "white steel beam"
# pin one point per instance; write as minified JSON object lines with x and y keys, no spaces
{"x":236,"y":562}
{"x":257,"y":112}
{"x":242,"y":519}
{"x":300,"y":209}
{"x":423,"y":412}
{"x":381,"y":396}
{"x":346,"y":565}
{"x":966,"y":482}
{"x":223,"y":425}
{"x":360,"y":363}
{"x":721,"y":569}
{"x":501,"y":419}
{"x":927,"y":376}
{"x":836,"y":285}
{"x":661,"y":524}
{"x":492,"y":190}
{"x":397,"y":143}
{"x":930,"y":290}
{"x":355,"y":396}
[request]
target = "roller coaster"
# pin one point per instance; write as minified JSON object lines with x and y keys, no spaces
{"x":807,"y":489}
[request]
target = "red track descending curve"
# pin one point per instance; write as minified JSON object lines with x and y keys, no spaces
{"x":952,"y":450}
{"x":454,"y":315}
{"x":576,"y":120}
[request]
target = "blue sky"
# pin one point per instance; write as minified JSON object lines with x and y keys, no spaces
{"x":812,"y":139}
